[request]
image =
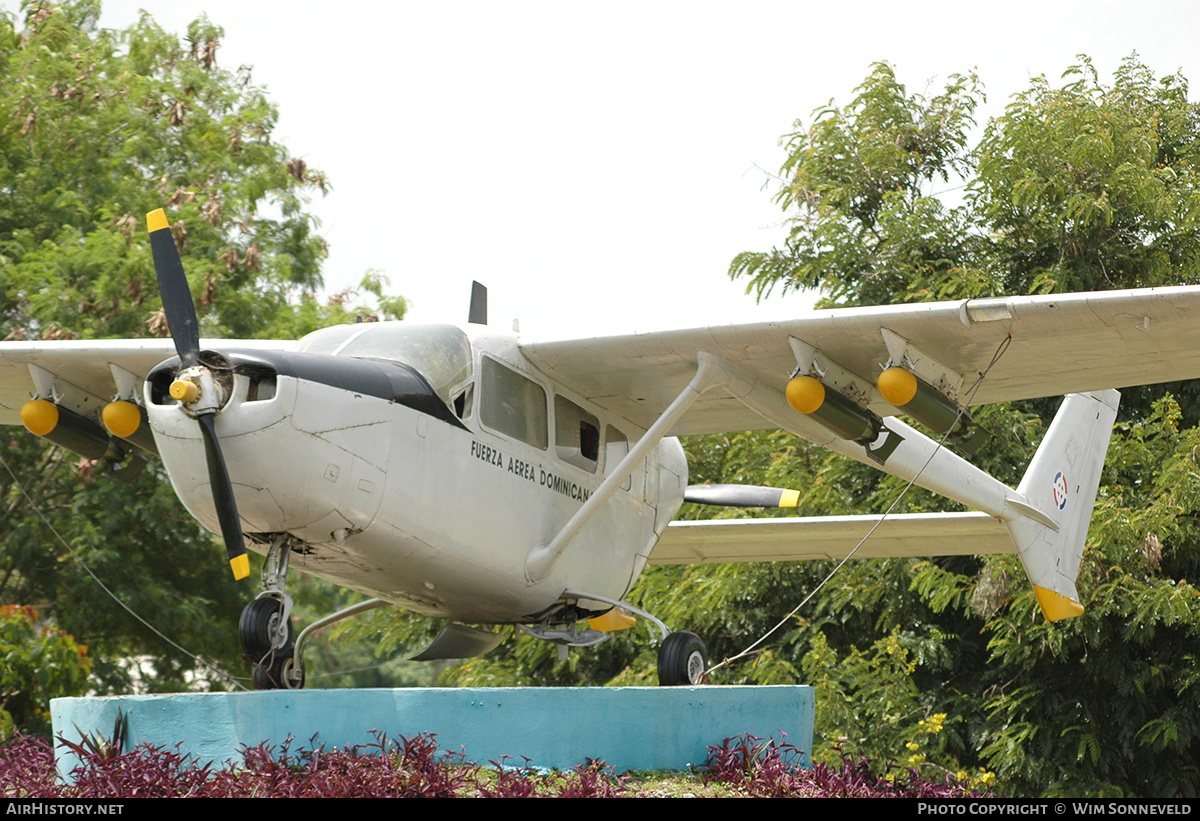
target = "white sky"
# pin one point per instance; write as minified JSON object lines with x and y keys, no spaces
{"x":598,"y":165}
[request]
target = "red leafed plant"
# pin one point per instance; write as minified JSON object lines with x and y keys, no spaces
{"x":773,"y":769}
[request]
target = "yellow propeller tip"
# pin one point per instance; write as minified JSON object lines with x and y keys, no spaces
{"x":156,"y":220}
{"x":241,"y":566}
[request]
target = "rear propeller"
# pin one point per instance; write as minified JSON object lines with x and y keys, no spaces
{"x":741,"y":496}
{"x":194,"y":385}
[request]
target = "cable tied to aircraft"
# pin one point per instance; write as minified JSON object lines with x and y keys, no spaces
{"x":962,"y":409}
{"x":79,"y":559}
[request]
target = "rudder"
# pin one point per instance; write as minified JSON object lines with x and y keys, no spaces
{"x":1060,"y":486}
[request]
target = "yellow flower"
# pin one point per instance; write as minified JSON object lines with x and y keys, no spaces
{"x":935,"y":723}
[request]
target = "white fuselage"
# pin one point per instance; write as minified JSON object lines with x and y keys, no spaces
{"x":434,"y":516}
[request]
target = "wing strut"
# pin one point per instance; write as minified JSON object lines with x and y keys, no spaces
{"x":710,"y":373}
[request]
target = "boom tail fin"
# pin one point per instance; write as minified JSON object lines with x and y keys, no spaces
{"x":1060,"y":485}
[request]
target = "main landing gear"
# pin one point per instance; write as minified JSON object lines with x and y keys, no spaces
{"x":682,"y":656}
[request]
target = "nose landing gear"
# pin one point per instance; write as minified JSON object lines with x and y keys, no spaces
{"x":265,"y":628}
{"x":266,"y":637}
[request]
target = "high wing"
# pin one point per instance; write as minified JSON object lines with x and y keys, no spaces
{"x":1059,"y":344}
{"x":83,"y":370}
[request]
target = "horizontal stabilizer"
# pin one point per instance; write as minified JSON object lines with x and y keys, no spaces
{"x":830,"y":537}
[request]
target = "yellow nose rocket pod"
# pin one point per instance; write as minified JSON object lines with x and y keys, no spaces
{"x":832,"y":410}
{"x":932,"y":408}
{"x":836,"y":413}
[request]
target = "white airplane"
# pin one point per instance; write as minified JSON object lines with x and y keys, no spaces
{"x":469,"y":475}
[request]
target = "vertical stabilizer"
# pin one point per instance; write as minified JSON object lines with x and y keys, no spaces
{"x":477,"y":314}
{"x":1061,"y":485}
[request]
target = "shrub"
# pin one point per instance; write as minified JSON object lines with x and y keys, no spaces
{"x":772,"y":769}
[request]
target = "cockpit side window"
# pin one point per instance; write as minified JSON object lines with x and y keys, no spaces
{"x":616,"y":447}
{"x":512,"y":404}
{"x":576,"y":435}
{"x":463,"y":402}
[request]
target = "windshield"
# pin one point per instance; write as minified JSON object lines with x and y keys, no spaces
{"x":441,"y":353}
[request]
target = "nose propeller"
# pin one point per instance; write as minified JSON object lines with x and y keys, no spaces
{"x":185,"y":331}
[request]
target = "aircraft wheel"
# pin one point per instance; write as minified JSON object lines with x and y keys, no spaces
{"x":285,"y":674}
{"x":259,"y":620}
{"x":682,"y":660}
{"x":273,"y":676}
{"x":261,"y":678}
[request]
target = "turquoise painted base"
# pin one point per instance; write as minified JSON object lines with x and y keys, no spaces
{"x":630,"y":728}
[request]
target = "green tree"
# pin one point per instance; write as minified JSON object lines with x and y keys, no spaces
{"x":97,"y":128}
{"x":1078,"y":186}
{"x":1089,"y":187}
{"x":866,"y":223}
{"x":38,"y":664}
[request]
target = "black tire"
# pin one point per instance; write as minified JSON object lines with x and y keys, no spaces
{"x":682,"y":660}
{"x":254,"y":628}
{"x":271,"y":674}
{"x":261,"y":679}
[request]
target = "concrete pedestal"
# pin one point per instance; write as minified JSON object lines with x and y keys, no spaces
{"x":630,"y":728}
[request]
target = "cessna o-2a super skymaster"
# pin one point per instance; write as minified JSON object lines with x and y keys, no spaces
{"x":469,"y":475}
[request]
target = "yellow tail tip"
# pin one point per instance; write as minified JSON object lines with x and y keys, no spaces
{"x":241,"y":566}
{"x":1056,"y":606}
{"x":156,"y":220}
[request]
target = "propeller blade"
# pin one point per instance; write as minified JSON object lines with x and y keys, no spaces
{"x":741,"y":496}
{"x":173,"y":287}
{"x":185,"y":331}
{"x":222,"y":490}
